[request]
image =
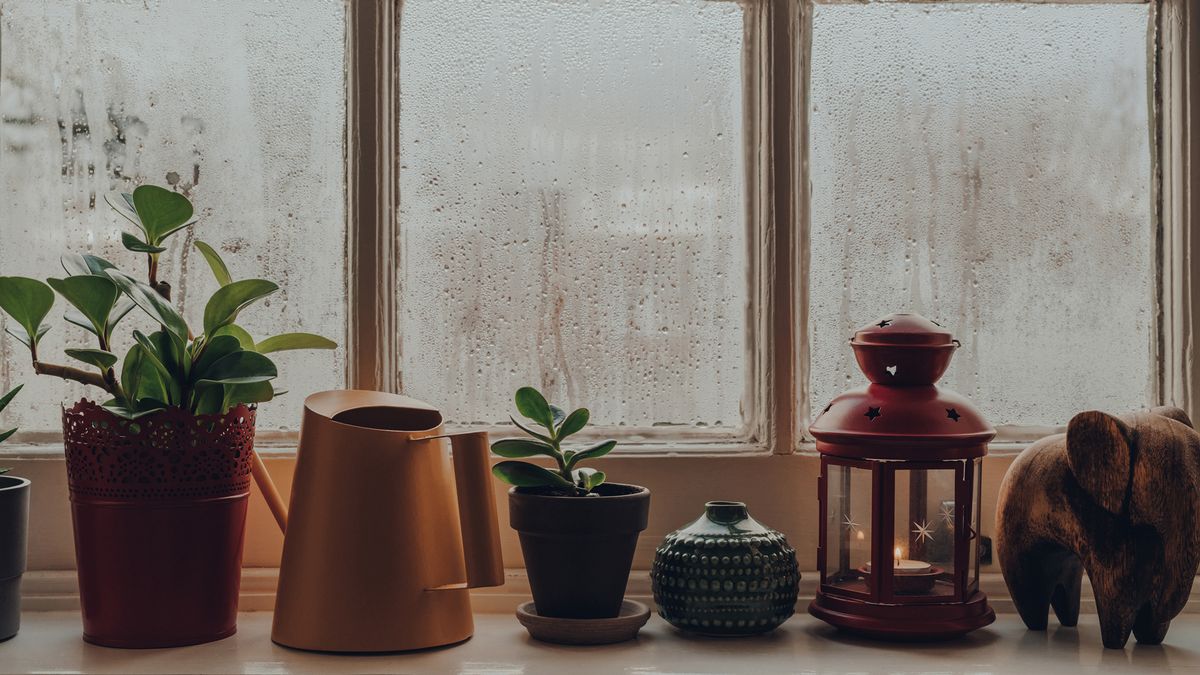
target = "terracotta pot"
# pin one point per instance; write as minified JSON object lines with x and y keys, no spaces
{"x":159,"y":508}
{"x":14,"y":523}
{"x":578,"y":550}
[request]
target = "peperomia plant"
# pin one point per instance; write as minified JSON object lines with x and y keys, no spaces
{"x":568,"y":479}
{"x":209,"y":372}
{"x":4,"y":401}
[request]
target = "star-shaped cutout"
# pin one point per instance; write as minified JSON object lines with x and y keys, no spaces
{"x":872,"y":413}
{"x":851,"y":526}
{"x":952,"y":414}
{"x":885,"y":323}
{"x":947,"y":514}
{"x":923,"y":531}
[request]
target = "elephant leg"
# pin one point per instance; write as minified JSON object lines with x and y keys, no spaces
{"x":1148,"y":627}
{"x":1065,"y":599}
{"x":1115,"y":610}
{"x":1033,"y":575}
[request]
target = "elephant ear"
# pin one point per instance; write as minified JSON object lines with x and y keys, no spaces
{"x":1099,"y":455}
{"x":1174,"y":413}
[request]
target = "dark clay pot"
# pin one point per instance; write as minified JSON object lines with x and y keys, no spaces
{"x":579,"y":550}
{"x":159,"y":508}
{"x":14,"y":524}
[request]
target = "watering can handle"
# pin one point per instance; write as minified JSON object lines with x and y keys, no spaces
{"x":477,"y":509}
{"x":270,"y":494}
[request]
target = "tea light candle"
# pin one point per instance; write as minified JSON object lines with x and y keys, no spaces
{"x":903,"y":566}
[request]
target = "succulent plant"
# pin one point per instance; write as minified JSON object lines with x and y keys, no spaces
{"x":209,"y":372}
{"x":569,"y":479}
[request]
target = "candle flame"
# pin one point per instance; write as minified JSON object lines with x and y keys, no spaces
{"x":899,"y":555}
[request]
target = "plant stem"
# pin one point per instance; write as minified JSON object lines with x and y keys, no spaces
{"x":163,"y":288}
{"x":81,"y":376}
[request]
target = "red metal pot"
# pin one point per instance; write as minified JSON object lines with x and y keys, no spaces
{"x":159,"y":508}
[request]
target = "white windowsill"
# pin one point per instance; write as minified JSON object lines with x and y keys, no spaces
{"x":50,"y":642}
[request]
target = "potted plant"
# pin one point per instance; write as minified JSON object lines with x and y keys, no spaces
{"x":578,"y":532}
{"x":159,"y":472}
{"x":14,"y":523}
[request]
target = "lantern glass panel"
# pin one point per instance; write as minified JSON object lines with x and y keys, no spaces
{"x":848,"y":533}
{"x":973,"y":546}
{"x":924,"y":534}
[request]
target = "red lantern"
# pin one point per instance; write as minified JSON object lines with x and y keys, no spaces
{"x":899,"y":492}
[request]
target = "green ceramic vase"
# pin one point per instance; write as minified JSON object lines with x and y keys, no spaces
{"x":725,"y":574}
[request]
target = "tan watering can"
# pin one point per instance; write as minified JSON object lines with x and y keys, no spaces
{"x":385,"y":534}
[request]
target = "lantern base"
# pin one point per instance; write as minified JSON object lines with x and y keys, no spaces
{"x":904,"y":623}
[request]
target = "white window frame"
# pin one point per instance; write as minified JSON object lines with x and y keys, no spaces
{"x":776,"y":67}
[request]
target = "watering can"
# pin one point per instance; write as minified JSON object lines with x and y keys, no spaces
{"x":385,"y":533}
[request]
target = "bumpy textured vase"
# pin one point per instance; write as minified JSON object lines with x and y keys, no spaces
{"x":725,"y":574}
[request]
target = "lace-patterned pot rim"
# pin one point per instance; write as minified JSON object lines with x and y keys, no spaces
{"x":169,"y":455}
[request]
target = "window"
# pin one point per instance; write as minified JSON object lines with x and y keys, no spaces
{"x":988,"y":166}
{"x":241,"y":105}
{"x":674,"y":212}
{"x":572,"y":209}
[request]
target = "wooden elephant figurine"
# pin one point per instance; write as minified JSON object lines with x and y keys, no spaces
{"x":1117,"y":497}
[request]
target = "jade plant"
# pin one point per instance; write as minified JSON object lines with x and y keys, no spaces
{"x":568,"y":478}
{"x":4,"y":401}
{"x":206,"y":371}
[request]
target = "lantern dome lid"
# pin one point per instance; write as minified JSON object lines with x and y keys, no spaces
{"x":902,"y":414}
{"x":903,"y":328}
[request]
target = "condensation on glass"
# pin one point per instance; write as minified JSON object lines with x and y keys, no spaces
{"x":989,"y":166}
{"x":849,"y":534}
{"x":573,"y":208}
{"x":240,"y":105}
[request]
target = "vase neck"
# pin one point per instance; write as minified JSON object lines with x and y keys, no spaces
{"x":726,"y":512}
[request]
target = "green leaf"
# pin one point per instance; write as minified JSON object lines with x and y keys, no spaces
{"x":532,"y":404}
{"x":234,"y":330}
{"x":575,"y":422}
{"x":27,"y":301}
{"x":138,"y":246}
{"x":94,"y":296}
{"x":75,"y":264}
{"x":209,"y":400}
{"x":122,"y":203}
{"x":531,"y":432}
{"x":121,"y":410}
{"x":151,"y":303}
{"x":124,"y":306}
{"x":588,"y":479}
{"x":160,"y":211}
{"x":288,"y":341}
{"x":255,"y":392}
{"x":152,"y":356}
{"x":241,"y":367}
{"x":95,"y":357}
{"x":216,"y":349}
{"x":4,"y":435}
{"x":523,"y":474}
{"x":557,"y":414}
{"x":598,"y":450}
{"x":131,"y":375}
{"x":22,"y":337}
{"x":7,"y":398}
{"x":224,"y":305}
{"x":514,"y":448}
{"x":219,"y":270}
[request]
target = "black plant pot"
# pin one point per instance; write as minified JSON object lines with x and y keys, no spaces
{"x":14,"y":523}
{"x":578,"y":550}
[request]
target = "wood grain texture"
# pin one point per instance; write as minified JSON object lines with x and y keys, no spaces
{"x":1117,"y":498}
